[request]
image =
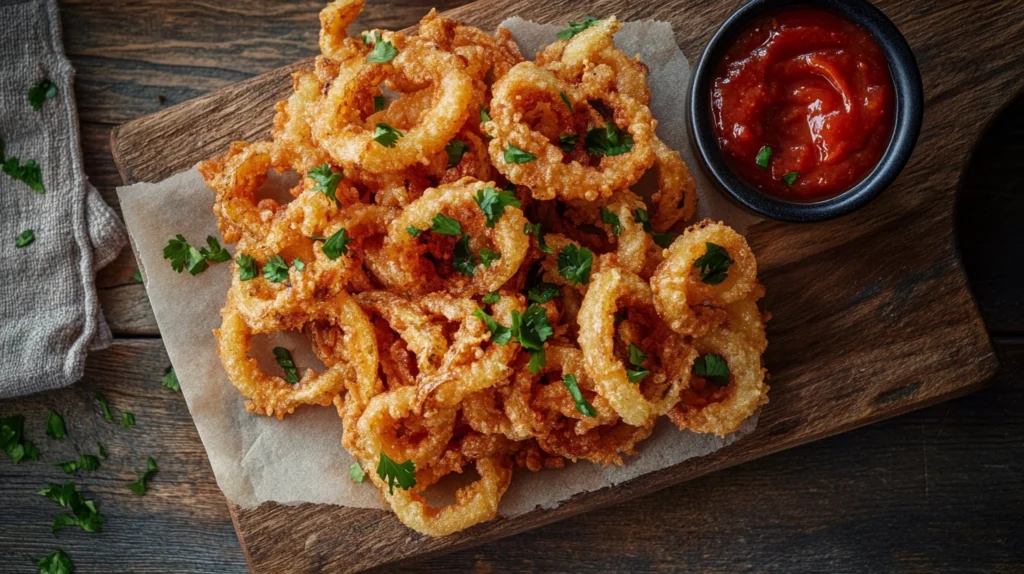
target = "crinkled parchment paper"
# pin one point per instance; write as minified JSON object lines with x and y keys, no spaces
{"x":260,"y":459}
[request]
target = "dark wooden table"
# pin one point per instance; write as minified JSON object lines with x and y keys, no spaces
{"x":936,"y":490}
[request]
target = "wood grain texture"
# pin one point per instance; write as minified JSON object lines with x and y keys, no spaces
{"x":855,"y":337}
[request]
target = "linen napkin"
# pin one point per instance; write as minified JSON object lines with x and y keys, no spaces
{"x":49,"y":311}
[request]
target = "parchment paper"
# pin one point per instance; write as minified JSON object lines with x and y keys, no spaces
{"x":260,"y":459}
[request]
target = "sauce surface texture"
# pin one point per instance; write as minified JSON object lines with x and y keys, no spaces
{"x":802,"y":104}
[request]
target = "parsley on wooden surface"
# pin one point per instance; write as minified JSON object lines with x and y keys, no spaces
{"x":102,"y":400}
{"x":55,"y":562}
{"x":127,"y":420}
{"x":13,"y":443}
{"x":83,"y":512}
{"x":55,"y":425}
{"x":170,"y":380}
{"x":140,"y":486}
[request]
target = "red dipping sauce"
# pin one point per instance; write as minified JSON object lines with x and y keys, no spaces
{"x":815,"y":89}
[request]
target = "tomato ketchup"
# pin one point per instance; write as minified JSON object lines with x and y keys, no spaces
{"x":802,"y":104}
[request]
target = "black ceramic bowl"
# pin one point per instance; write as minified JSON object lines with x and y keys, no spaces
{"x":908,"y":107}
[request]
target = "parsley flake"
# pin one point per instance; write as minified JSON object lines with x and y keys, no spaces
{"x":55,"y":425}
{"x":215,"y":253}
{"x":456,"y":149}
{"x":284,"y":359}
{"x":28,"y":173}
{"x":608,"y":141}
{"x":500,"y":334}
{"x":515,"y":155}
{"x":383,"y":52}
{"x":140,"y":486}
{"x":712,"y":368}
{"x":636,"y":358}
{"x":39,"y":93}
{"x":355,"y":472}
{"x":276,"y":269}
{"x":102,"y":451}
{"x":568,"y":142}
{"x":183,"y":256}
{"x":565,"y":99}
{"x":790,"y":178}
{"x":763,"y":157}
{"x":413,"y":231}
{"x":170,"y":379}
{"x":84,"y":513}
{"x":531,"y":329}
{"x":484,"y":115}
{"x":574,"y":264}
{"x":543,"y":292}
{"x":534,"y":230}
{"x":13,"y":443}
{"x":640,"y":216}
{"x":445,"y":225}
{"x":386,"y":135}
{"x":102,"y":400}
{"x":404,"y":474}
{"x":55,"y":563}
{"x":127,"y":420}
{"x":247,"y":268}
{"x":491,"y":298}
{"x":25,"y":238}
{"x":493,"y":203}
{"x":612,"y":220}
{"x":326,"y":180}
{"x":137,"y":276}
{"x":378,"y":103}
{"x":487,"y":256}
{"x":582,"y":404}
{"x":298,"y":264}
{"x":464,"y":261}
{"x":575,"y":27}
{"x":336,"y":245}
{"x":663,"y":240}
{"x":714,"y":264}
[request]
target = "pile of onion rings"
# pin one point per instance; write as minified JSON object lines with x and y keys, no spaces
{"x":465,"y":254}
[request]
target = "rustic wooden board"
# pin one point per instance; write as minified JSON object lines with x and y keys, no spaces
{"x":872,"y":316}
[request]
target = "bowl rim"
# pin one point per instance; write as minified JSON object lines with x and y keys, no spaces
{"x":908,"y":100}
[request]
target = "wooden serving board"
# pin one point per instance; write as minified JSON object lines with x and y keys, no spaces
{"x":872,"y":316}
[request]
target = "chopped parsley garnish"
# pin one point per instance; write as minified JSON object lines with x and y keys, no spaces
{"x":127,"y":420}
{"x":612,"y":220}
{"x":404,"y":474}
{"x":102,"y":400}
{"x":640,"y":216}
{"x":531,"y":329}
{"x":13,"y":443}
{"x":367,"y":39}
{"x":790,"y":178}
{"x":568,"y":142}
{"x":500,"y":334}
{"x":28,"y":172}
{"x":574,"y":264}
{"x":487,"y":256}
{"x":25,"y":238}
{"x":336,"y":245}
{"x":714,"y":264}
{"x":215,"y":253}
{"x":663,"y":240}
{"x":383,"y":52}
{"x":247,"y":268}
{"x":712,"y":368}
{"x":84,"y":462}
{"x":516,"y":155}
{"x":575,"y":27}
{"x":491,"y":298}
{"x":170,"y":380}
{"x":543,"y":292}
{"x":137,"y":276}
{"x":534,"y":230}
{"x":276,"y":269}
{"x":378,"y":103}
{"x":565,"y":99}
{"x":39,"y":93}
{"x":484,"y":116}
{"x":84,"y":513}
{"x":55,"y":425}
{"x":55,"y":563}
{"x":763,"y":157}
{"x":355,"y":472}
{"x":140,"y":486}
{"x":386,"y":135}
{"x":327,"y":180}
{"x":582,"y":404}
{"x":464,"y":261}
{"x":102,"y":451}
{"x":493,"y":203}
{"x":445,"y":225}
{"x":456,"y":149}
{"x":284,"y":359}
{"x":298,"y":264}
{"x":413,"y":231}
{"x":184,"y":256}
{"x":636,"y":358}
{"x":609,"y":140}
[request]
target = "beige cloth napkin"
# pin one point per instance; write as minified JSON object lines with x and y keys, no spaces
{"x":49,"y":311}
